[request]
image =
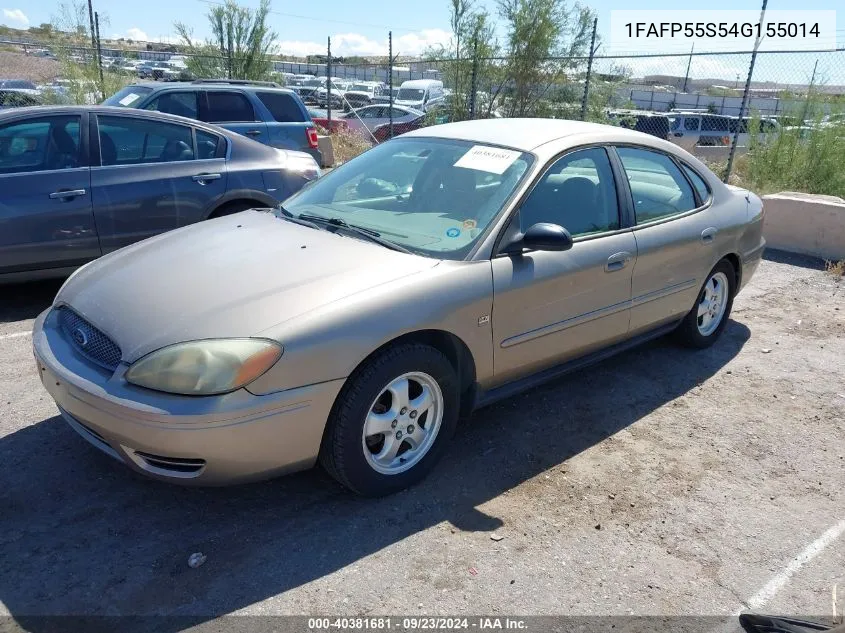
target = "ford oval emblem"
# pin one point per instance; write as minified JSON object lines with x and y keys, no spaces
{"x":80,"y":337}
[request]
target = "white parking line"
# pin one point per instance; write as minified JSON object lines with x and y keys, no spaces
{"x":14,"y":335}
{"x":762,"y":597}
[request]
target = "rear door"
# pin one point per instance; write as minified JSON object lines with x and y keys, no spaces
{"x":675,"y":236}
{"x":152,"y":176}
{"x":288,"y":120}
{"x":234,"y":111}
{"x":46,"y":218}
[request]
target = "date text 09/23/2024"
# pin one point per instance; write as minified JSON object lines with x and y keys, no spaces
{"x":414,"y":623}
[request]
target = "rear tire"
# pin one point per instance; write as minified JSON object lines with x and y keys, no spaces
{"x":708,"y":317}
{"x":379,"y":441}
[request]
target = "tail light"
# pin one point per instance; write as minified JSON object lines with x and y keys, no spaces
{"x":313,"y":141}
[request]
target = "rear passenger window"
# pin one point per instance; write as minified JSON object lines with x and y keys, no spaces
{"x":658,"y":187}
{"x":577,"y":192}
{"x":207,"y":145}
{"x":691,"y":124}
{"x":130,"y":141}
{"x":698,"y":183}
{"x":282,"y":106}
{"x":178,"y":103}
{"x":229,"y":107}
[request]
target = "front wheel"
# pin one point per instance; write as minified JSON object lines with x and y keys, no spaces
{"x":392,"y":420}
{"x":709,"y":316}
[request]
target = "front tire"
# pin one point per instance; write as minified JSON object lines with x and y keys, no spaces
{"x":709,"y":316}
{"x":392,"y":420}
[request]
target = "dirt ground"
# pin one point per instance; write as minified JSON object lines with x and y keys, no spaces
{"x":661,"y":482}
{"x":20,"y":66}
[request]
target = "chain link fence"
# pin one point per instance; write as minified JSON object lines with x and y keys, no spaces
{"x":712,"y":104}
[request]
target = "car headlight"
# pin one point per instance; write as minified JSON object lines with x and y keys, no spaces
{"x":201,"y":368}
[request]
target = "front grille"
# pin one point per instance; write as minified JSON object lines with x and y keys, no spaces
{"x":88,"y":340}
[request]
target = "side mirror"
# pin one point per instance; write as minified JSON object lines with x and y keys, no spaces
{"x":542,"y":236}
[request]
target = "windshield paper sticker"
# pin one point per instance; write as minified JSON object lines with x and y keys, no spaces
{"x":130,"y":98}
{"x":490,"y":159}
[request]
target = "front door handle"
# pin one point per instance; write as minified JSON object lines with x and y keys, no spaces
{"x":204,"y":178}
{"x":253,"y":132}
{"x":65,"y":194}
{"x":617,"y":261}
{"x":709,"y":234}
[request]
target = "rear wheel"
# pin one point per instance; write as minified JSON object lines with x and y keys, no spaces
{"x":392,"y":420}
{"x":709,"y":316}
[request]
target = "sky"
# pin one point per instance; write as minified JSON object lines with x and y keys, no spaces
{"x":359,"y":27}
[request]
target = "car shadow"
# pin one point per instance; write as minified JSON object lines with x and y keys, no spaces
{"x":84,"y":535}
{"x":27,"y":300}
{"x":794,"y":259}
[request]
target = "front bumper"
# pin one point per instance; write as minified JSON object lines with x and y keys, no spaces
{"x":202,"y":440}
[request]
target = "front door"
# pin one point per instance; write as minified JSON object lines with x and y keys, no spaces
{"x":46,"y":219}
{"x":151,"y":178}
{"x":549,"y":307}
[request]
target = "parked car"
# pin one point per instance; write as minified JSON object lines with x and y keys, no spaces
{"x":420,"y":94}
{"x":17,"y":99}
{"x":362,"y":93}
{"x":81,"y":181}
{"x":320,"y":118}
{"x":689,"y":129}
{"x":152,"y":70}
{"x":382,"y":132}
{"x":321,"y":95}
{"x":371,"y":117}
{"x":263,"y":111}
{"x":308,"y":88}
{"x":18,"y":84}
{"x":653,"y":123}
{"x":384,"y":97}
{"x":433,"y":274}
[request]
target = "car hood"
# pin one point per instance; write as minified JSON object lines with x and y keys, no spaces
{"x":230,"y":277}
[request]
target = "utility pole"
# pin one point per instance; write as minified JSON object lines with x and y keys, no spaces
{"x":329,"y":83}
{"x":589,"y":71}
{"x":745,"y":96}
{"x":390,"y":71}
{"x":99,"y":54}
{"x":91,"y":19}
{"x":474,"y":80}
{"x":689,"y":63}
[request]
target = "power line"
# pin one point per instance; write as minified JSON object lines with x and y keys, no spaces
{"x":324,"y":19}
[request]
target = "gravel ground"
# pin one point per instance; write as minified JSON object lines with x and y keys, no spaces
{"x":20,"y":66}
{"x":661,"y":482}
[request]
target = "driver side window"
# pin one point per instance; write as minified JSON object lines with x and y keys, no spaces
{"x":577,"y":192}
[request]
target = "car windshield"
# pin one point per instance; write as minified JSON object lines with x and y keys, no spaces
{"x":411,"y":94}
{"x":434,"y":197}
{"x":314,"y":82}
{"x":361,"y":88}
{"x":128,"y":97}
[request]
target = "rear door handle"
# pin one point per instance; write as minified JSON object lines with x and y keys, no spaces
{"x":67,"y":193}
{"x":617,"y":261}
{"x":203,"y":178}
{"x":708,"y":234}
{"x":253,"y":132}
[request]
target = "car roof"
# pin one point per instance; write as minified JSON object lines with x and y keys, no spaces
{"x":421,"y":83}
{"x":50,"y":110}
{"x":528,"y":134}
{"x":182,"y":85}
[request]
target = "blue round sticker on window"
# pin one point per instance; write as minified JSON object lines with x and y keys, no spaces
{"x":453,"y":232}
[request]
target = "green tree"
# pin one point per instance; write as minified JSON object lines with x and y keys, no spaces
{"x":241,"y":45}
{"x":545,"y":40}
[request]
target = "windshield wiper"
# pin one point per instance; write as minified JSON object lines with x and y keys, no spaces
{"x":368,"y":234}
{"x":290,"y":217}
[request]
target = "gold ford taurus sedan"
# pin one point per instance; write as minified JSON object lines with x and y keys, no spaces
{"x":431,"y":275}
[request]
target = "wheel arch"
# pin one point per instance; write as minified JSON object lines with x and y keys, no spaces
{"x":450,"y":345}
{"x":734,"y":260}
{"x":222,"y":208}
